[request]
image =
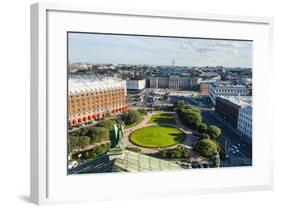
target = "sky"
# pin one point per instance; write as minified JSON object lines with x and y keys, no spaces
{"x":126,"y":49}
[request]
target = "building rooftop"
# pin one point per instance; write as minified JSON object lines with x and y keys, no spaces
{"x":247,"y":110}
{"x":228,"y":85}
{"x":135,"y":162}
{"x":78,"y":85}
{"x":242,"y":101}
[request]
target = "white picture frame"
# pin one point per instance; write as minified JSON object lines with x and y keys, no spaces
{"x":50,"y":184}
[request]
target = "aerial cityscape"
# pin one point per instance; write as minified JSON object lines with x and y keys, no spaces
{"x":151,"y":103}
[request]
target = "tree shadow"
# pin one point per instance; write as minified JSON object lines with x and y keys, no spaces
{"x":178,"y":137}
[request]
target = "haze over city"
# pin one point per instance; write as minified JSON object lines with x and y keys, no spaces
{"x":124,"y":49}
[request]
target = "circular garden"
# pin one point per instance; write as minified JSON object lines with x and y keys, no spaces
{"x":157,"y":136}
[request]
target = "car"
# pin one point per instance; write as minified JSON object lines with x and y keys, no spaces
{"x":199,"y":165}
{"x":72,"y":164}
{"x":194,"y":164}
{"x":187,"y":165}
{"x":205,"y":165}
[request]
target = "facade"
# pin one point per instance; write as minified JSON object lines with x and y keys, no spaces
{"x":245,"y":121}
{"x":95,"y":98}
{"x":175,"y":82}
{"x":135,"y":85}
{"x":229,"y":107}
{"x":227,"y":90}
{"x":204,"y":88}
{"x":205,"y":85}
{"x":163,"y":82}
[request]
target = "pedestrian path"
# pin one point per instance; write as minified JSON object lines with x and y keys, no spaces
{"x":189,"y":139}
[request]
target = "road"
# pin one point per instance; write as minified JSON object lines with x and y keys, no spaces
{"x":228,"y":135}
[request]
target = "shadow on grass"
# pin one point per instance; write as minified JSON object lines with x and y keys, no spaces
{"x":163,"y":118}
{"x":178,"y":137}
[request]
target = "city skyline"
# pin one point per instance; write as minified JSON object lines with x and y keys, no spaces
{"x":147,"y":50}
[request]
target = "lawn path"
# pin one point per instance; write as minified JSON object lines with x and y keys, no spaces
{"x":188,"y":140}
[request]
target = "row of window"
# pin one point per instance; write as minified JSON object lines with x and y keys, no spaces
{"x":74,"y":110}
{"x":93,"y":100}
{"x":79,"y":108}
{"x":245,"y":130}
{"x":245,"y":117}
{"x":229,"y":90}
{"x":97,"y":93}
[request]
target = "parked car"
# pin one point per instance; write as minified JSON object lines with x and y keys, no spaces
{"x":72,"y":164}
{"x":194,"y":164}
{"x":205,"y":165}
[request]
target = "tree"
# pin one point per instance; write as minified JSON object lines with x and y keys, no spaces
{"x":174,"y":153}
{"x":78,"y":142}
{"x":98,"y":134}
{"x":131,"y":116}
{"x":190,"y":107}
{"x":83,"y":131}
{"x":84,"y":141}
{"x":204,"y":136}
{"x":203,"y":128}
{"x":206,"y":147}
{"x":179,"y":104}
{"x":163,"y":153}
{"x":109,"y":124}
{"x":213,"y":131}
{"x":73,"y":142}
{"x":216,"y":159}
{"x":191,"y":118}
{"x":142,"y":111}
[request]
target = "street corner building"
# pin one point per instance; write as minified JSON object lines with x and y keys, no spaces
{"x":94,"y":98}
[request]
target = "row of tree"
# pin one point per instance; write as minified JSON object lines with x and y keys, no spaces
{"x":86,"y":136}
{"x":92,"y":153}
{"x":174,"y":153}
{"x":191,"y":116}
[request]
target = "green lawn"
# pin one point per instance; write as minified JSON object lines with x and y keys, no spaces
{"x":157,"y":136}
{"x":162,"y":118}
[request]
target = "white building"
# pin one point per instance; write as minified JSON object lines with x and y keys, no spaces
{"x":227,"y":91}
{"x":245,"y":121}
{"x":175,"y":82}
{"x":135,"y":84}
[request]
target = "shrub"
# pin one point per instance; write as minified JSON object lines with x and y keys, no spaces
{"x":133,"y":149}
